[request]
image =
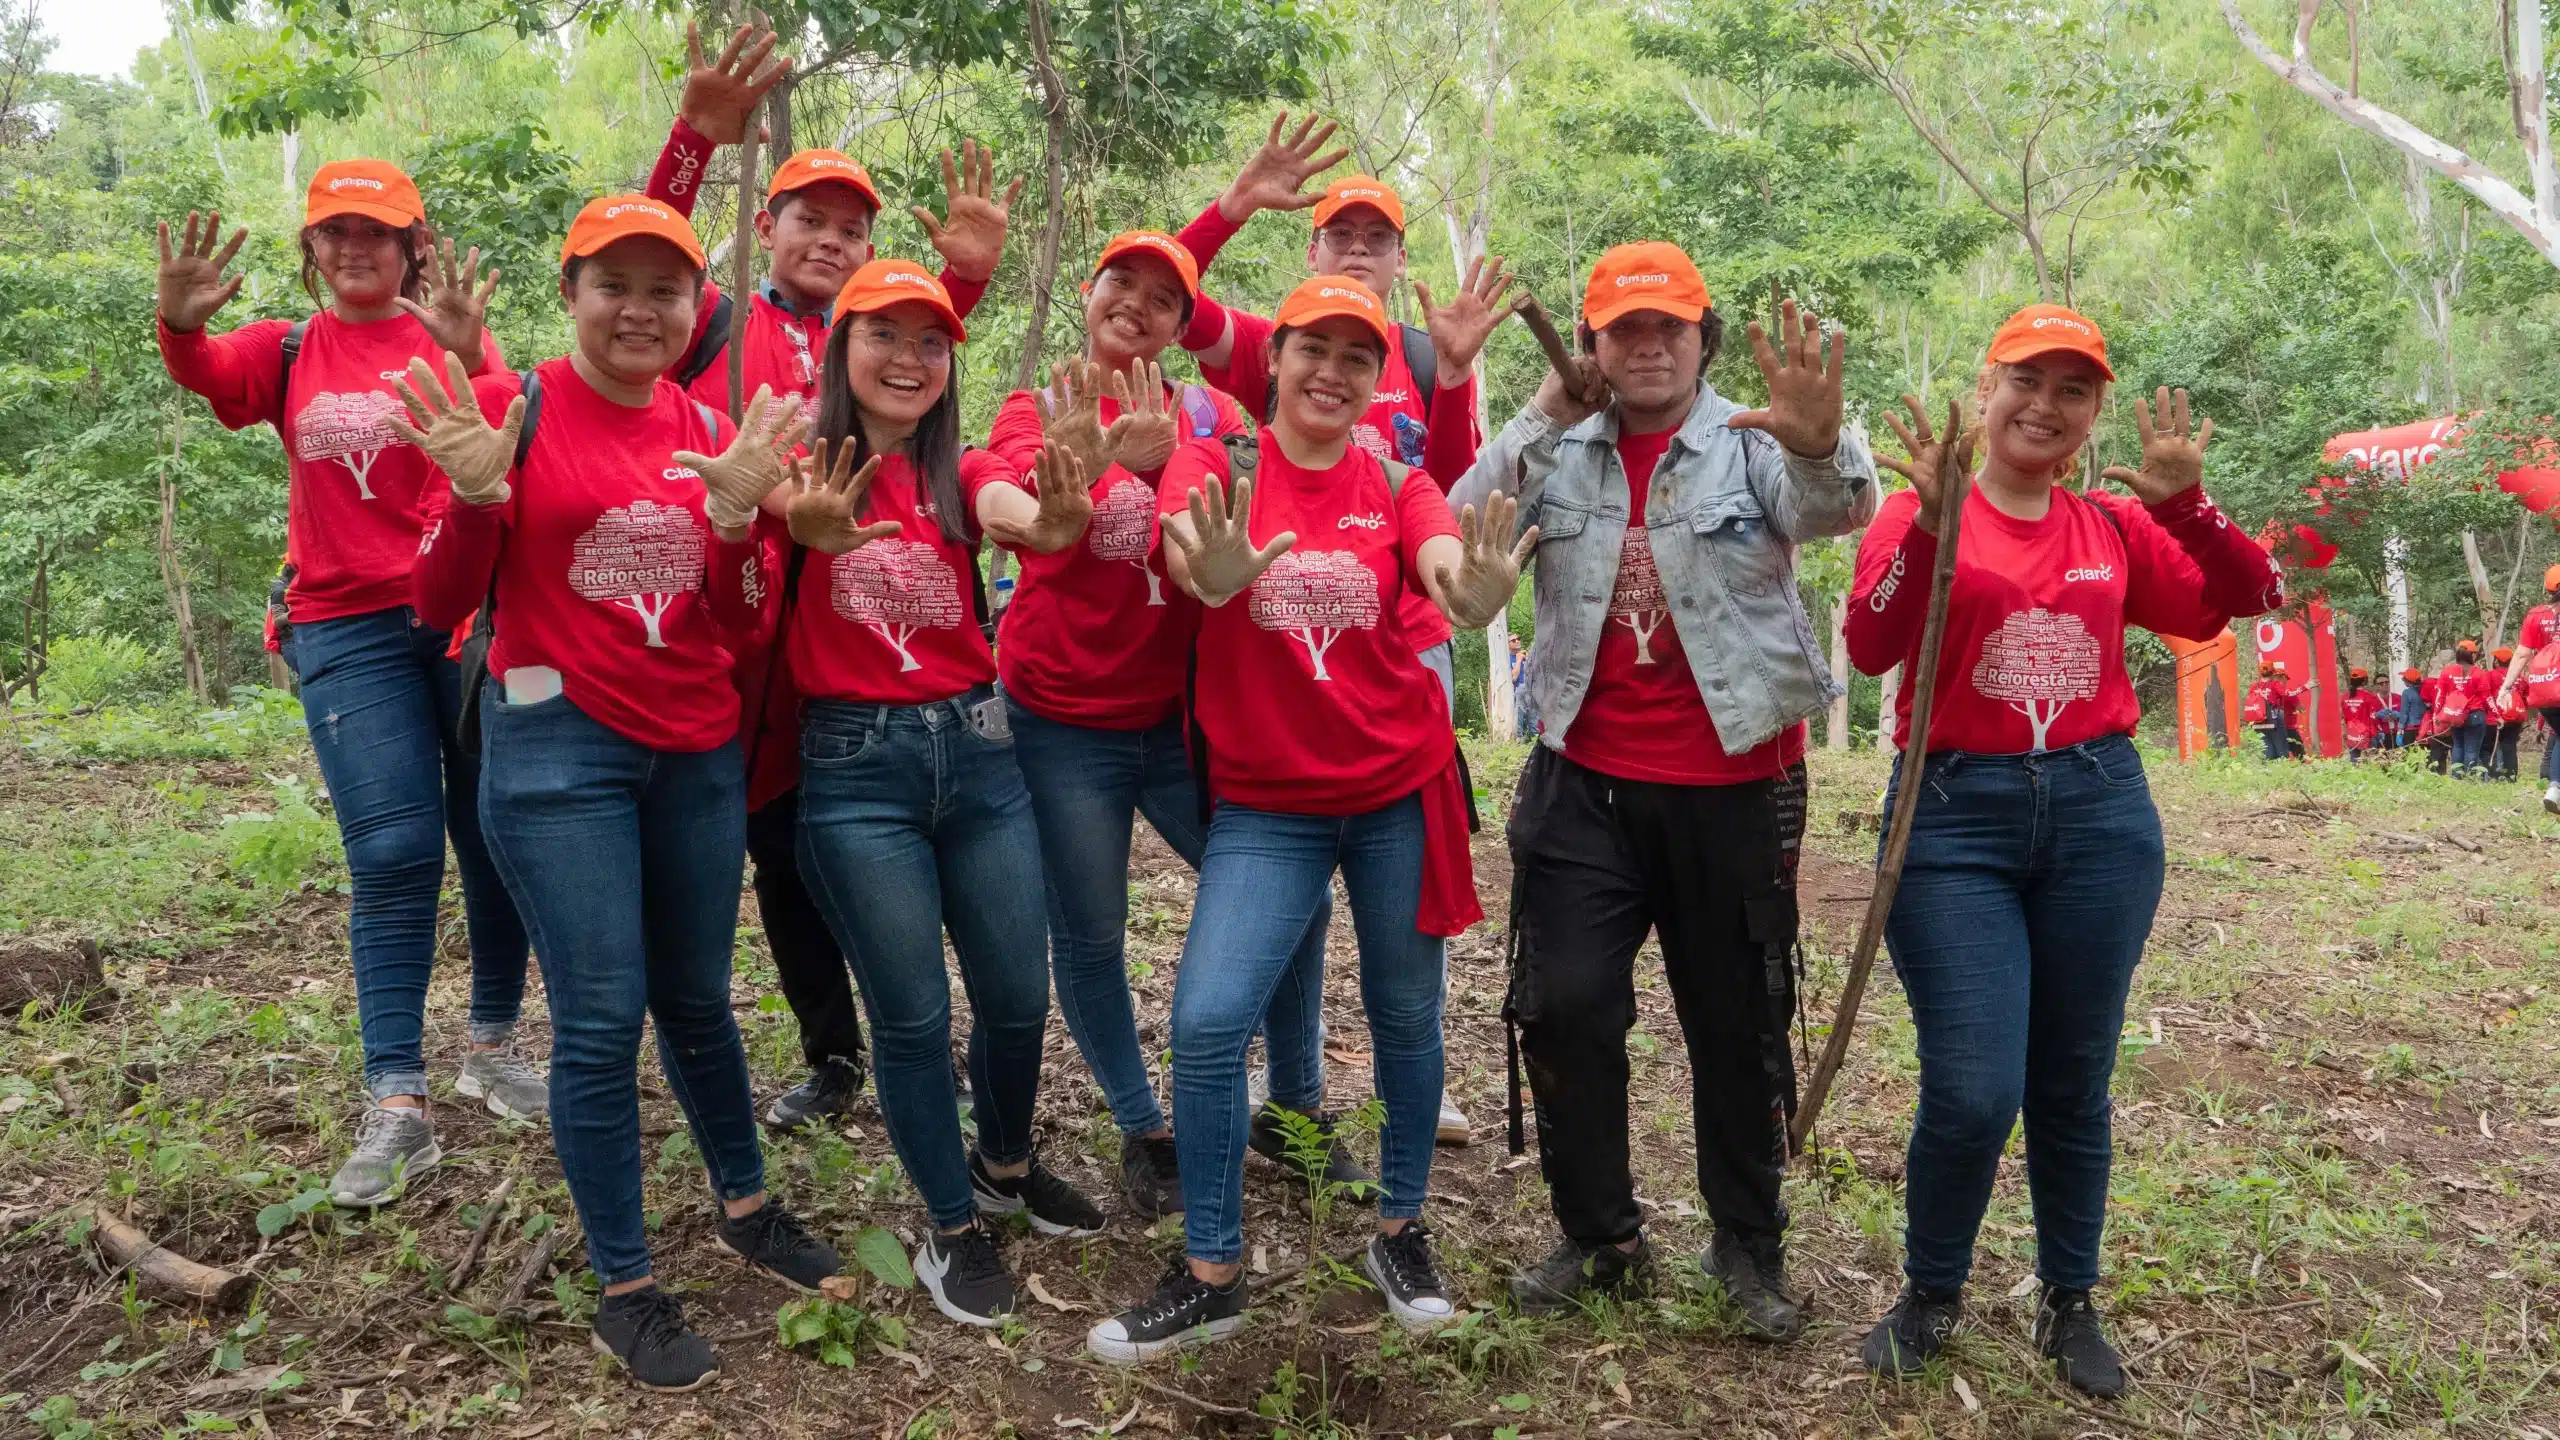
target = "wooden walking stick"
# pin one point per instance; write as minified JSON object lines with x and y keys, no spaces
{"x":1955,"y":466}
{"x":1534,"y":315}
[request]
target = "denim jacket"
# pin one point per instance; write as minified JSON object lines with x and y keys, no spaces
{"x":1726,"y":509}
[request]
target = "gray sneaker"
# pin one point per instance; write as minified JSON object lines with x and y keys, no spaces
{"x":393,"y":1147}
{"x":505,"y":1082}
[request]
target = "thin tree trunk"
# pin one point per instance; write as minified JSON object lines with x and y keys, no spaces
{"x":1835,"y":728}
{"x":1884,"y":708}
{"x":742,"y":271}
{"x":778,"y":113}
{"x":39,"y":611}
{"x":204,"y":102}
{"x":2480,"y":590}
{"x":173,"y":573}
{"x":2515,"y":573}
{"x":1053,"y":219}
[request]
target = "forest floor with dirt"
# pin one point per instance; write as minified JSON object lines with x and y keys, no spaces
{"x":2336,"y":1207}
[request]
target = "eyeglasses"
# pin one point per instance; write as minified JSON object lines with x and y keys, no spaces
{"x":1375,"y":239}
{"x":887,"y":344}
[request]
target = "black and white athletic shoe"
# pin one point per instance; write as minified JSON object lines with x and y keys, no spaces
{"x":826,"y":1096}
{"x":1150,"y":1176}
{"x":1406,"y":1274}
{"x":1912,"y":1333}
{"x":1056,"y":1207}
{"x":967,"y":1277}
{"x":1185,"y":1310}
{"x":644,"y":1330}
{"x":773,"y":1240}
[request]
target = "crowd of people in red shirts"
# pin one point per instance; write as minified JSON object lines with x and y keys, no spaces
{"x":618,"y":643}
{"x":2469,"y":718}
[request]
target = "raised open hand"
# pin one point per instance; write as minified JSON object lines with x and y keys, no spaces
{"x":1062,"y":486}
{"x":1276,"y":174}
{"x":474,"y":455}
{"x":1805,"y":401}
{"x":1460,"y":328}
{"x":1930,"y":456}
{"x":191,"y":283}
{"x":1216,"y":545}
{"x":2172,"y":462}
{"x":971,"y":239}
{"x":1071,"y":412}
{"x":827,"y":497}
{"x":735,"y":481}
{"x":457,"y":305}
{"x":1488,"y":570}
{"x":1142,"y":439}
{"x":720,"y":96}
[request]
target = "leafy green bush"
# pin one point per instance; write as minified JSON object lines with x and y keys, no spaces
{"x":100,"y":670}
{"x":294,"y":847}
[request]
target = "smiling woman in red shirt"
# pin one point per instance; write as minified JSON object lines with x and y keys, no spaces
{"x":2036,"y":858}
{"x":913,"y":816}
{"x":599,"y":520}
{"x":1327,"y":749}
{"x":1095,"y":648}
{"x":378,"y":690}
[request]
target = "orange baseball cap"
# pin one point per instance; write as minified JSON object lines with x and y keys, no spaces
{"x":1329,"y":295}
{"x":2357,"y":672}
{"x":608,"y":218}
{"x":2551,"y":578}
{"x":821,"y":167}
{"x":2412,"y":674}
{"x":2502,"y":654}
{"x":1157,"y":244}
{"x":1366,"y":190}
{"x":374,"y":189}
{"x":884,"y":283}
{"x":1647,"y":275}
{"x":2043,"y":329}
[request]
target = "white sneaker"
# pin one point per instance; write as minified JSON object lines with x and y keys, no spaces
{"x":512,"y":1087}
{"x":2551,"y":799}
{"x":1454,"y":1129}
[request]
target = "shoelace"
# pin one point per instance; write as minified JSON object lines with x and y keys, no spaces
{"x":1409,"y":1257}
{"x":2072,"y":1315}
{"x":973,"y":1253}
{"x":375,"y":1131}
{"x":1174,"y":1293}
{"x":515,"y":1068}
{"x":775,"y":1230}
{"x":660,"y":1321}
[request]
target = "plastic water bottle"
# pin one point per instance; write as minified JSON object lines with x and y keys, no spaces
{"x":1410,"y":435}
{"x":1004,"y":593}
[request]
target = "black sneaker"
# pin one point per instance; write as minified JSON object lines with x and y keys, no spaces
{"x":967,"y":1277}
{"x":1912,"y":1332}
{"x":1151,"y":1176}
{"x":1574,"y":1271}
{"x":1402,"y":1266}
{"x":2068,"y":1333}
{"x":828,"y":1094}
{"x":773,"y":1240}
{"x":1754,"y":1275}
{"x":1185,"y":1310}
{"x":1270,"y":1140}
{"x":1056,"y":1208}
{"x":645,"y":1331}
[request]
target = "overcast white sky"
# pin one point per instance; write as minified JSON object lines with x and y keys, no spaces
{"x":99,"y":37}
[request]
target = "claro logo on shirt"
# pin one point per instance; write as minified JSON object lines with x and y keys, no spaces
{"x":2089,"y":572}
{"x":1891,"y":582}
{"x":688,"y":170}
{"x":1361,"y":522}
{"x":679,"y":472}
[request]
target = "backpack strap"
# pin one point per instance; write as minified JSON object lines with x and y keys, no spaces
{"x":291,"y":351}
{"x":1396,"y":473}
{"x":531,"y":384}
{"x":706,"y":351}
{"x":1422,"y":359}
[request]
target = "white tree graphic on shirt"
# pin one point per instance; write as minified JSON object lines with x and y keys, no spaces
{"x":1124,"y":528}
{"x":2039,"y":661}
{"x":1637,"y":600}
{"x":1316,"y":595}
{"x":346,"y":426}
{"x":640,"y":556}
{"x":896,"y":587}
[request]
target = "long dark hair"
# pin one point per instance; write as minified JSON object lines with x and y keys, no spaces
{"x":416,"y":242}
{"x":934,"y":448}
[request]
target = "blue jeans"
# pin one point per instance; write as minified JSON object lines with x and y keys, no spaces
{"x":1087,"y":788}
{"x":1260,"y":882}
{"x":626,"y":863}
{"x":913,"y":821}
{"x":381,"y":701}
{"x":2468,"y":739}
{"x":2551,"y":747}
{"x":2026,"y":897}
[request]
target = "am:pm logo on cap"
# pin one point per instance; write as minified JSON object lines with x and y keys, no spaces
{"x":1656,"y":278}
{"x":908,"y":277}
{"x":364,"y":182}
{"x":827,"y":163}
{"x":2065,"y":321}
{"x":1336,"y":292}
{"x":1361,"y":195}
{"x":612,"y":211}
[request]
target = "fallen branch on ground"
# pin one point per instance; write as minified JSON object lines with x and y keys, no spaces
{"x":164,"y":1272}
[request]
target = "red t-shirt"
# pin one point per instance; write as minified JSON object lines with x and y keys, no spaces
{"x":2033,"y":655}
{"x":1643,"y":718}
{"x":1446,"y":448}
{"x":352,"y":499}
{"x":895,"y":622}
{"x":1311,"y":693}
{"x":2362,"y":710}
{"x":606,"y":569}
{"x":2541,"y":626}
{"x":1095,"y":634}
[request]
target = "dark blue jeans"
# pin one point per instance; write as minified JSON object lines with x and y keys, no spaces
{"x":626,"y":863}
{"x":1088,"y":786}
{"x":2026,"y":897}
{"x":1260,"y":882}
{"x":2469,"y":739}
{"x":913,"y":820}
{"x":381,"y":701}
{"x":2551,"y":747}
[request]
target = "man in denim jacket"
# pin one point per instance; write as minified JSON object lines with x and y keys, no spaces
{"x":1672,"y":675}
